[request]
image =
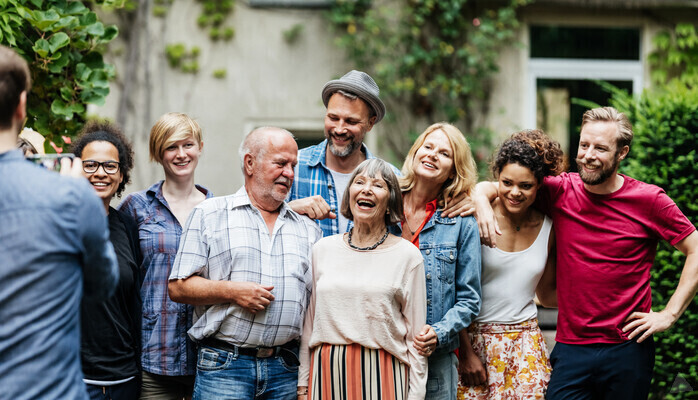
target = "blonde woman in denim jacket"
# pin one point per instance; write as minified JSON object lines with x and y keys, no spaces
{"x":438,"y":167}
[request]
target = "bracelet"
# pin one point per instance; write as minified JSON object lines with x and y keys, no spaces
{"x":302,"y":392}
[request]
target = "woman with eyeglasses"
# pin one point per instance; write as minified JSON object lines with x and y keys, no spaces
{"x":110,"y":330}
{"x":161,"y":212}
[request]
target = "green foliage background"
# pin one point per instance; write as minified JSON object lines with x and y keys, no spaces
{"x":664,"y":153}
{"x":436,"y":57}
{"x":63,"y":42}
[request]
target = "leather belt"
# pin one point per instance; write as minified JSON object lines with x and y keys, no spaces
{"x":259,"y":352}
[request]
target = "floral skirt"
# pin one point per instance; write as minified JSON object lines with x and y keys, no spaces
{"x":354,"y":372}
{"x":516,"y":359}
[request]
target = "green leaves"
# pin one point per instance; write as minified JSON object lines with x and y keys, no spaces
{"x":62,"y":40}
{"x":676,"y":55}
{"x":435,"y":56}
{"x":58,"y":41}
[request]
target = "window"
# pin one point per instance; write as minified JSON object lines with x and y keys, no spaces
{"x":562,"y":63}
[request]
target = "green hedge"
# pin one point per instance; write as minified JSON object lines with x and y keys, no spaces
{"x":664,"y":153}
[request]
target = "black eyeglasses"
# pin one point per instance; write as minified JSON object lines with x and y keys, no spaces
{"x":91,"y":166}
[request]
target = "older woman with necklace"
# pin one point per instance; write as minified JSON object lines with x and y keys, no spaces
{"x":438,"y":167}
{"x":368,"y":301}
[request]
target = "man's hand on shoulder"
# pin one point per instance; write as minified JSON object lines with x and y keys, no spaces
{"x":643,"y":325}
{"x":314,"y":207}
{"x":251,"y":296}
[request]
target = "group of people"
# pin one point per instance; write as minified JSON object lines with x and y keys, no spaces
{"x":331,"y":274}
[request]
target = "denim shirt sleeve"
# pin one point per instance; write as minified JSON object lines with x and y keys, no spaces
{"x":100,"y":268}
{"x":468,"y":292}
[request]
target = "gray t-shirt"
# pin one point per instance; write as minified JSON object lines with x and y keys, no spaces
{"x":341,"y":181}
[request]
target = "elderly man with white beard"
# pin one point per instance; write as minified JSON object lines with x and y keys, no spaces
{"x":244,"y":261}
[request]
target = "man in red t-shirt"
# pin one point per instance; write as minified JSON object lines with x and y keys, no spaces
{"x":607,"y":228}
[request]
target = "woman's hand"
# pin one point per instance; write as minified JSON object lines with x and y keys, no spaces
{"x":471,"y":370}
{"x":483,"y":195}
{"x":459,"y":205}
{"x":302,"y":393}
{"x":425,"y":342}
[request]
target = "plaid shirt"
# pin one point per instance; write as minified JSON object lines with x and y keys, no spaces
{"x":166,"y":349}
{"x":226,"y":239}
{"x":312,"y":177}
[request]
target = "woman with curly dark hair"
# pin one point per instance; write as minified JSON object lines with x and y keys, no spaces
{"x":110,"y":330}
{"x":507,"y":357}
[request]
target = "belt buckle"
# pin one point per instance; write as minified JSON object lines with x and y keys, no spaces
{"x":264,"y":352}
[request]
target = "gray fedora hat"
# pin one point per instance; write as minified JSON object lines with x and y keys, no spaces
{"x":360,"y":84}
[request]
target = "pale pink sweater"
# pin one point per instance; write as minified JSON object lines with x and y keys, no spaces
{"x":375,"y":298}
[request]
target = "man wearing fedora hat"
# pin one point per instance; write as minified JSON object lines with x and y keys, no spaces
{"x":353,"y":108}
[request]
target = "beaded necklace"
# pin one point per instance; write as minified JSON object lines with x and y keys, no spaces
{"x":373,"y":246}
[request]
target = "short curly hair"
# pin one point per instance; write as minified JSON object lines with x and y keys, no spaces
{"x":106,"y":131}
{"x":534,"y":150}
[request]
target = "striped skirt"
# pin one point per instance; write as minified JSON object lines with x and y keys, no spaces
{"x":516,"y":360}
{"x":354,"y":372}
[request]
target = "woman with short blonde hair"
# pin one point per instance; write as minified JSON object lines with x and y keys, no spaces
{"x":168,"y":355}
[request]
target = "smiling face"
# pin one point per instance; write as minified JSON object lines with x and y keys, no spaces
{"x":180,"y":158}
{"x":434,"y":158}
{"x":368,"y":199}
{"x":104,"y":184}
{"x":271,"y":172}
{"x":517,"y":188}
{"x":597,"y":156}
{"x":346,"y":124}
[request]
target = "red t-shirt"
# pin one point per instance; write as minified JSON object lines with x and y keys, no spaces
{"x":606,"y":245}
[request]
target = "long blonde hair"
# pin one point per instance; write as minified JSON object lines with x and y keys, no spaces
{"x":463,"y":162}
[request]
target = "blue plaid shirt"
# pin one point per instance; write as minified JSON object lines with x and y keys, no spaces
{"x":166,"y":348}
{"x":312,"y":177}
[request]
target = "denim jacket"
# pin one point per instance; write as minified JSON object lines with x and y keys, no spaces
{"x":451,"y":251}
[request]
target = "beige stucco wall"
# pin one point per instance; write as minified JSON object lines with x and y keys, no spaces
{"x":271,"y":82}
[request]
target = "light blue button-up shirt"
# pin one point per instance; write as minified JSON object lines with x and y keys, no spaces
{"x":54,"y":244}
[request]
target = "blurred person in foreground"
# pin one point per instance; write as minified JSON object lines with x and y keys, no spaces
{"x":368,"y":301}
{"x":111,"y":330}
{"x":244,"y":262}
{"x":168,"y":356}
{"x":508,"y":357}
{"x":607,"y":226}
{"x":438,"y":167}
{"x":54,"y":247}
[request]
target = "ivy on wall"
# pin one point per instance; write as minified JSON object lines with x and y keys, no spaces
{"x":63,"y":42}
{"x":214,"y":16}
{"x":676,"y":55}
{"x":437,"y":57}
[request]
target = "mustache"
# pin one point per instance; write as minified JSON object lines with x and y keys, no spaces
{"x":284,"y":181}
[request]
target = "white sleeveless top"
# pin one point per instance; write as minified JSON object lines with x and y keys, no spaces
{"x":509,"y":280}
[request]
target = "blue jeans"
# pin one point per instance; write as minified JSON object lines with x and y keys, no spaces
{"x":442,"y":381}
{"x":227,"y":375}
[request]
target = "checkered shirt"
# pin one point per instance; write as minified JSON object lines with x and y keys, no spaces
{"x":226,"y":238}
